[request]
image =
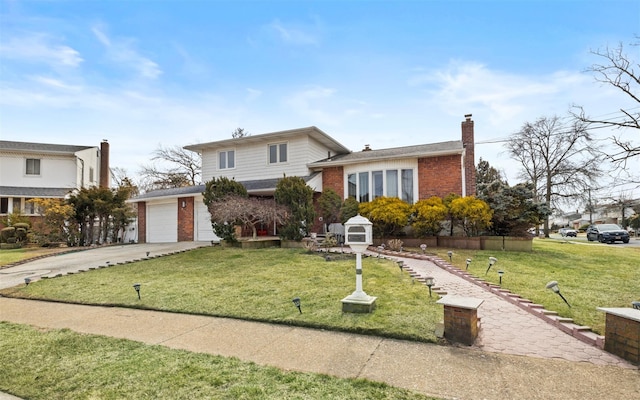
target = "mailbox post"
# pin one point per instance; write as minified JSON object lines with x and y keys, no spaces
{"x":358,"y":232}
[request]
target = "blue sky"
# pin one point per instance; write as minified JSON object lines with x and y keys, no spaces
{"x":148,"y":73}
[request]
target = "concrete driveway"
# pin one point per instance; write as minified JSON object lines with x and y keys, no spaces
{"x":91,"y":258}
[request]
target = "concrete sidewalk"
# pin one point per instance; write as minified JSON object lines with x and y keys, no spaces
{"x":440,"y":371}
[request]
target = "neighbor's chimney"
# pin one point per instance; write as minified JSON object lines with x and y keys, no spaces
{"x":470,"y":162}
{"x":104,"y":164}
{"x":366,"y":148}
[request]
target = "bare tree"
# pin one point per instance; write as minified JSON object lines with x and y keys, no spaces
{"x":247,"y":211}
{"x":179,"y":167}
{"x":557,"y":159}
{"x":622,"y":72}
{"x":239,"y":133}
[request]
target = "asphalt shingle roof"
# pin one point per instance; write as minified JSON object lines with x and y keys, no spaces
{"x":16,"y":191}
{"x":422,"y":150}
{"x":6,"y":145}
{"x":251,"y":186}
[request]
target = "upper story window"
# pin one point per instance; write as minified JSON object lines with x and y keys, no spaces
{"x":227,"y":159}
{"x":91,"y":173}
{"x":33,"y":166}
{"x":277,"y":153}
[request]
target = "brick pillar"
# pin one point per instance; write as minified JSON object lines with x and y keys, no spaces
{"x":142,"y":222}
{"x":333,"y":178}
{"x":622,"y":333}
{"x":185,"y":219}
{"x":460,"y":318}
{"x":469,"y":162}
{"x":105,"y":174}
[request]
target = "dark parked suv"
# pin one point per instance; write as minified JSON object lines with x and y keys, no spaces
{"x":607,"y":233}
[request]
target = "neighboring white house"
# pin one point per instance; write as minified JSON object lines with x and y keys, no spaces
{"x":259,"y":161}
{"x":42,"y":170}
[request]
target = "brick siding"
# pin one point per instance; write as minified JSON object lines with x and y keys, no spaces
{"x":185,"y":219}
{"x":439,"y":176}
{"x":333,"y":178}
{"x":142,"y":222}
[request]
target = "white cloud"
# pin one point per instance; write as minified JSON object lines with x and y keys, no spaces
{"x":295,"y":35}
{"x":311,"y":103}
{"x":39,"y":48}
{"x":55,"y":83}
{"x":253,"y":94}
{"x":122,"y":51}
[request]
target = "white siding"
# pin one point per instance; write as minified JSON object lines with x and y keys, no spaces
{"x":202,"y":220}
{"x":252,"y":160}
{"x":55,"y":171}
{"x":91,"y":160}
{"x":162,"y":222}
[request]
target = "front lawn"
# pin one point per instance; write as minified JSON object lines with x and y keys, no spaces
{"x":257,"y":285}
{"x":260,"y":284}
{"x":61,"y":364}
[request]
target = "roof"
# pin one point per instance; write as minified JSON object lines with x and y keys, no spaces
{"x":33,"y":192}
{"x":258,"y":186}
{"x":422,"y":150}
{"x":6,"y":145}
{"x":311,"y":131}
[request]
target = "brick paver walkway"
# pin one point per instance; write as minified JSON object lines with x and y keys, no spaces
{"x":506,"y":328}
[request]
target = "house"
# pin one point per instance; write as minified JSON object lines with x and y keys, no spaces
{"x":259,"y":161}
{"x":42,"y":170}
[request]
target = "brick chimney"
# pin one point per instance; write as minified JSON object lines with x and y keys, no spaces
{"x":469,"y":161}
{"x":105,"y":174}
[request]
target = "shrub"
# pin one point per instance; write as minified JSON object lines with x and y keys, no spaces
{"x":427,"y":216}
{"x":349,"y":209}
{"x":7,"y":233}
{"x":292,"y":192}
{"x":389,"y":215}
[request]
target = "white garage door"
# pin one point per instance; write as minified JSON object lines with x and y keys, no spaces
{"x":162,"y":222}
{"x":204,"y":231}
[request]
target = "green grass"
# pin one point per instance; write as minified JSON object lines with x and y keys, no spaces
{"x":10,"y":256}
{"x":61,"y":364}
{"x":256,"y":285}
{"x":589,"y":276}
{"x":259,"y":285}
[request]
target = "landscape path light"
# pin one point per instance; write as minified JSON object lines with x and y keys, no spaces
{"x":450,"y":254}
{"x":492,"y":260}
{"x":553,"y":285}
{"x":136,"y":286}
{"x":429,"y":281}
{"x":296,"y":302}
{"x":423,"y":247}
{"x":468,"y":262}
{"x":636,"y":305}
{"x":500,"y":273}
{"x":400,"y":264}
{"x":27,"y":281}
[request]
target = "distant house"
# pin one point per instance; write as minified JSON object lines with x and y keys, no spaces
{"x":42,"y":170}
{"x":411,"y":173}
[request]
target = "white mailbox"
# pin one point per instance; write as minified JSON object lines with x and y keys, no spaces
{"x":358,"y":236}
{"x":358,"y":233}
